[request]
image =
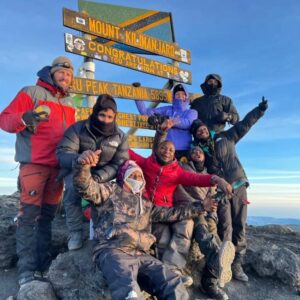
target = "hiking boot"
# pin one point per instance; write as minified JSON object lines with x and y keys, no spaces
{"x":75,"y":240}
{"x":226,"y":257}
{"x":211,"y":288}
{"x":238,"y":272}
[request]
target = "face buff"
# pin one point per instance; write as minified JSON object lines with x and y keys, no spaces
{"x":135,"y":186}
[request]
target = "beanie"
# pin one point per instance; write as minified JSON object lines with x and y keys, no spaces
{"x":104,"y":101}
{"x":177,"y":88}
{"x":126,"y":169}
{"x":61,"y":62}
{"x":195,"y":125}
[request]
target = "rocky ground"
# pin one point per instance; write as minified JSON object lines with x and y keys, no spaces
{"x":273,"y":265}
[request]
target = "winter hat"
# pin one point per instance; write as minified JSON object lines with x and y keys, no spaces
{"x":104,"y":101}
{"x":195,"y":148}
{"x":214,"y":76}
{"x":61,"y":62}
{"x":177,"y":88}
{"x":126,"y":169}
{"x":195,"y":125}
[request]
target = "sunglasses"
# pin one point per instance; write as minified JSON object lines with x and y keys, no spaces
{"x":63,"y":65}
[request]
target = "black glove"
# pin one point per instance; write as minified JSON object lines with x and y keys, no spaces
{"x":263,"y":105}
{"x":224,"y":117}
{"x":136,"y":84}
{"x":32,"y":118}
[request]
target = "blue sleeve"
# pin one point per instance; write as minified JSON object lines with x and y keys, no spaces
{"x":186,"y":122}
{"x":149,"y":111}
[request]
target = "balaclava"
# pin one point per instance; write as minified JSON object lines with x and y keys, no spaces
{"x":98,"y":127}
{"x":211,"y":89}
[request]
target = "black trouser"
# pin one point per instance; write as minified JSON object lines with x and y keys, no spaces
{"x":33,"y":238}
{"x":126,"y":275}
{"x":72,"y":205}
{"x":232,"y":220}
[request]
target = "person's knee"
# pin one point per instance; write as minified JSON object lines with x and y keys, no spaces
{"x":28,"y":214}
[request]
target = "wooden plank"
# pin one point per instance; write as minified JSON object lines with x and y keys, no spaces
{"x":96,"y":87}
{"x":123,"y":119}
{"x":100,"y":28}
{"x":141,"y":142}
{"x":92,"y":49}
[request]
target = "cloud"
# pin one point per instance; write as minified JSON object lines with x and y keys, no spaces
{"x":7,"y":155}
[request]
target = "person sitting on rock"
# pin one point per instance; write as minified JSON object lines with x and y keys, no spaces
{"x":122,"y":221}
{"x":219,"y":255}
{"x":180,"y":113}
{"x":162,"y":174}
{"x":221,"y":158}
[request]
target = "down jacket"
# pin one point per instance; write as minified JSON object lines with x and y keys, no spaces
{"x":224,"y":160}
{"x":162,"y":180}
{"x":119,"y":221}
{"x":39,"y":148}
{"x":79,"y":138}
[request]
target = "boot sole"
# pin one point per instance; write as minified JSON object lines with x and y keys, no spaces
{"x":226,"y":257}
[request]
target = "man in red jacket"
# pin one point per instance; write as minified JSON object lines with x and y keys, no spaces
{"x":39,"y":115}
{"x":163,"y":173}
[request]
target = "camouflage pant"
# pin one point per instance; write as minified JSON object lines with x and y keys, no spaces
{"x":173,"y":242}
{"x":126,"y":275}
{"x":232,"y":220}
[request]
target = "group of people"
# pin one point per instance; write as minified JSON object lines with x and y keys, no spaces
{"x":145,"y":211}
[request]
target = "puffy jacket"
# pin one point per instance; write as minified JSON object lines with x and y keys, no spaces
{"x":210,"y":107}
{"x":224,"y":160}
{"x":79,"y":138}
{"x":119,"y":221}
{"x":40,"y":147}
{"x":188,"y":194}
{"x":162,"y":180}
{"x":179,"y":134}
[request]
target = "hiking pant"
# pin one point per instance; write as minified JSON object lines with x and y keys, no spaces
{"x":205,"y":234}
{"x":40,"y":194}
{"x":72,"y":205}
{"x":173,"y":242}
{"x":232,"y":220}
{"x":127,"y":274}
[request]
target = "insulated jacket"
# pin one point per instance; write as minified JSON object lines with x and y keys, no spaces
{"x":39,"y":148}
{"x":79,"y":138}
{"x":188,"y":194}
{"x":162,"y":180}
{"x":119,"y":220}
{"x":179,"y":134}
{"x":223,"y":160}
{"x":209,"y":107}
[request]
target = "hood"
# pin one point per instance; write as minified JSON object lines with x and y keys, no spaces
{"x":179,"y":105}
{"x":209,"y":76}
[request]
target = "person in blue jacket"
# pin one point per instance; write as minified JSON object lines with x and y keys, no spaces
{"x":182,"y":116}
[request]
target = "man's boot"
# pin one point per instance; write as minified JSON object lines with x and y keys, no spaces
{"x":237,"y":270}
{"x":211,"y":288}
{"x":75,"y":240}
{"x":226,"y":257}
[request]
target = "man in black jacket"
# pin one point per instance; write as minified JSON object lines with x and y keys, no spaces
{"x":221,"y":159}
{"x":99,"y":132}
{"x":214,"y":109}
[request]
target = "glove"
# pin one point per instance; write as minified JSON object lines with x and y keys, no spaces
{"x":222,"y":185}
{"x":32,"y":118}
{"x":263,"y":105}
{"x":224,"y":117}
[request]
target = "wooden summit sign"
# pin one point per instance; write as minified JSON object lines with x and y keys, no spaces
{"x":115,"y":33}
{"x":92,"y":49}
{"x":123,"y":119}
{"x":95,"y":87}
{"x":141,"y":142}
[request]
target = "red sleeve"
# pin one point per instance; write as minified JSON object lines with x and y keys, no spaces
{"x":136,"y":157}
{"x":11,"y":116}
{"x":194,"y":179}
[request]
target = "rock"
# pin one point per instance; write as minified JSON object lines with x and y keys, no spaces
{"x":36,"y":290}
{"x":73,"y":275}
{"x":277,"y":262}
